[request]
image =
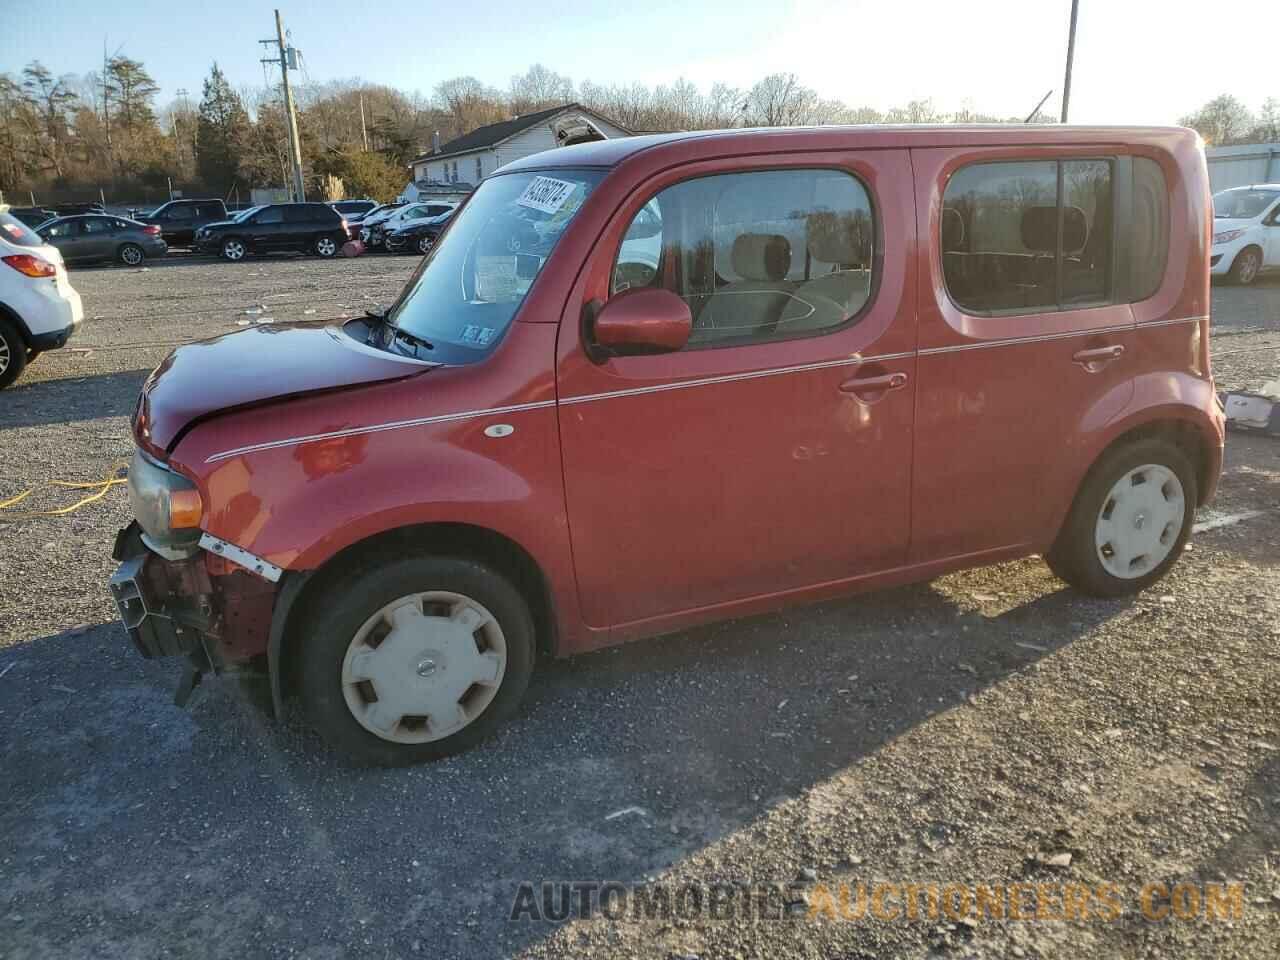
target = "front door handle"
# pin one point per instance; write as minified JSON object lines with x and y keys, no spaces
{"x":871,"y":389}
{"x":1095,"y":359}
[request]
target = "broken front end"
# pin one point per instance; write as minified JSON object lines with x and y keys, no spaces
{"x":181,"y":591}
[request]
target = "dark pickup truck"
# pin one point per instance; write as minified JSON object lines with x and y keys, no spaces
{"x":179,"y":220}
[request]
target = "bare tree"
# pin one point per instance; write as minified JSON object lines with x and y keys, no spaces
{"x":1223,"y":120}
{"x":537,"y":89}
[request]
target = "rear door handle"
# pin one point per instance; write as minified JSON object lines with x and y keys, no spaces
{"x":1095,"y":359}
{"x":871,"y":389}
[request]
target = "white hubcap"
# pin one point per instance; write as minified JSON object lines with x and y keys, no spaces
{"x":423,"y":667}
{"x":1140,"y":521}
{"x":424,"y":245}
{"x":325,"y":247}
{"x":233,"y":250}
{"x":131,"y":255}
{"x":4,"y":354}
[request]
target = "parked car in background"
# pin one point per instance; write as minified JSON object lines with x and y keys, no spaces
{"x":867,"y":355}
{"x":353,"y":210}
{"x":1246,"y":232}
{"x":32,"y":216}
{"x":39,"y":309}
{"x":89,"y":237}
{"x":180,"y":219}
{"x":305,"y":227}
{"x":373,"y":222}
{"x":416,"y":236}
{"x":72,"y":209}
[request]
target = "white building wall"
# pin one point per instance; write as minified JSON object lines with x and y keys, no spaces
{"x":524,"y":144}
{"x":539,"y":138}
{"x":1243,"y":165}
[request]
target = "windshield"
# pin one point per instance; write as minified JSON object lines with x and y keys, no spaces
{"x":1242,"y":204}
{"x":244,"y":215}
{"x":463,"y":296}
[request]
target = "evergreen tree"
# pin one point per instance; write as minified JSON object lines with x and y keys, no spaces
{"x":222,"y":131}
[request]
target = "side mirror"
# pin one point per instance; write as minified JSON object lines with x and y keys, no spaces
{"x":638,"y":321}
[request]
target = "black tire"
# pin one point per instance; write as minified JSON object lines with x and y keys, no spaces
{"x":1246,"y":266}
{"x":13,"y":353}
{"x":1074,"y":556}
{"x":336,"y":617}
{"x":131,"y":255}
{"x":326,"y":246}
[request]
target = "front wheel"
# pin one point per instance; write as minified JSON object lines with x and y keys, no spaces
{"x":415,"y":659}
{"x":13,"y":353}
{"x":1129,"y":521}
{"x":131,"y":254}
{"x":325,"y":246}
{"x":233,"y":249}
{"x":1246,"y":267}
{"x":424,"y":245}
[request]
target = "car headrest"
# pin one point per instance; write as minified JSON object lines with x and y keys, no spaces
{"x":837,"y":238}
{"x":1040,"y":229}
{"x":761,"y":256}
{"x":952,"y":229}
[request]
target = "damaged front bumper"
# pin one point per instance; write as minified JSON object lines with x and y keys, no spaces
{"x":212,"y":606}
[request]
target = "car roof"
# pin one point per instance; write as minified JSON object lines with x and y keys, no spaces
{"x":688,"y":144}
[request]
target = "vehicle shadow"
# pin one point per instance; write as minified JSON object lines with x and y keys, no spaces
{"x":702,"y":731}
{"x":29,"y":403}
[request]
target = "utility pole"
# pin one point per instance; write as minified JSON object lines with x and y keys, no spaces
{"x":299,"y":190}
{"x":364,"y":131}
{"x":1071,"y":54}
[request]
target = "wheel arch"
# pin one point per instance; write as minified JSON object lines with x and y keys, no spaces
{"x":1192,"y":439}
{"x":8,"y":313}
{"x":456,"y":539}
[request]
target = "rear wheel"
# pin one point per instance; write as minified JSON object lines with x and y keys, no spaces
{"x":1129,"y":521}
{"x":130,"y":254}
{"x":233,"y":249}
{"x":424,"y":245}
{"x":1246,"y":267}
{"x":325,"y":246}
{"x":414,"y":659}
{"x":13,"y":353}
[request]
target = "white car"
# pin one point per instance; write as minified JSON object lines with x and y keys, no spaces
{"x":39,"y":309}
{"x":1246,"y":232}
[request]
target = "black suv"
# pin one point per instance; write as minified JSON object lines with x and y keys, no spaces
{"x":308,"y":227}
{"x":179,"y":220}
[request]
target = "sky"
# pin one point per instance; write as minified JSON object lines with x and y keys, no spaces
{"x":1137,"y":61}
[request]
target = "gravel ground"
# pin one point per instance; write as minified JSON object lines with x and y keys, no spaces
{"x":967,"y":730}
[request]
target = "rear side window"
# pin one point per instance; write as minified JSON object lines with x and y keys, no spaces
{"x":269,"y":215}
{"x":1028,"y":236}
{"x":179,"y":212}
{"x":17,"y":232}
{"x":758,"y":256}
{"x":1148,"y":229}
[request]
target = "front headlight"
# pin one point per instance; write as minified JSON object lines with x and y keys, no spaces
{"x":166,"y":504}
{"x":1226,"y":236}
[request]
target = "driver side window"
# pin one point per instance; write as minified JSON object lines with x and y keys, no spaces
{"x":758,"y":256}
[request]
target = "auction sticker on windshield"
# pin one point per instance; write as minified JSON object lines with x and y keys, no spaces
{"x":546,"y":194}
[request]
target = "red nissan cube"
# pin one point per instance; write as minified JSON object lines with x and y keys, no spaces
{"x":645,"y":383}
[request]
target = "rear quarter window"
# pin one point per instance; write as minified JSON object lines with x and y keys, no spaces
{"x":1148,"y":228}
{"x":17,"y":232}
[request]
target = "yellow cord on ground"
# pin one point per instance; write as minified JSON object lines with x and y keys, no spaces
{"x":100,"y":487}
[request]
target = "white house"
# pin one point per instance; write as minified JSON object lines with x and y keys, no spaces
{"x":471,"y":158}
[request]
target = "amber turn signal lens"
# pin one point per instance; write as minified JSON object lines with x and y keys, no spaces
{"x":184,"y":509}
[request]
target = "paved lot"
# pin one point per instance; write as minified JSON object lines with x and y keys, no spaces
{"x":963,"y":730}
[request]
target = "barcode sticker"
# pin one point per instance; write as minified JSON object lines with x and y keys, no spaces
{"x":546,"y":194}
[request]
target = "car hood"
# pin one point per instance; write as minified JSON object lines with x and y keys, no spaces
{"x":249,"y":367}
{"x":216,"y":223}
{"x":1223,"y":224}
